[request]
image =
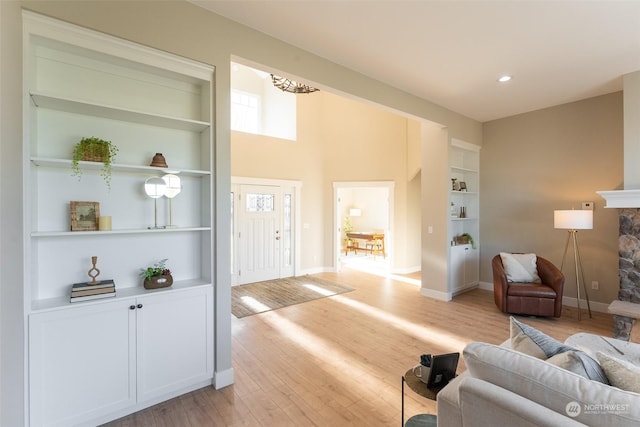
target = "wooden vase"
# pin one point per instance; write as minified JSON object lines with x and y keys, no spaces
{"x":157,"y":282}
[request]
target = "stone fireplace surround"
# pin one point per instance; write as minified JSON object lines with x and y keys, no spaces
{"x":629,"y":268}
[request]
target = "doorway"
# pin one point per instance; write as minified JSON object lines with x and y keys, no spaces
{"x":263,"y":230}
{"x":364,"y":208}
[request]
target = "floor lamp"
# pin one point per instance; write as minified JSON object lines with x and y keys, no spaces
{"x":572,"y":221}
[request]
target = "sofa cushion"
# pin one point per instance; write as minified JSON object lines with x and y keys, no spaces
{"x":520,"y":267}
{"x":589,"y":402}
{"x":529,"y":340}
{"x":621,"y":373}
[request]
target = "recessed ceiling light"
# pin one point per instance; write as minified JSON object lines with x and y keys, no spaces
{"x":504,"y":79}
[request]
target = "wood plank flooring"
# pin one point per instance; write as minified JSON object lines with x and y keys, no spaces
{"x":338,"y":361}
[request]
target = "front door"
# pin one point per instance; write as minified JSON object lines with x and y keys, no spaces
{"x":264,"y":233}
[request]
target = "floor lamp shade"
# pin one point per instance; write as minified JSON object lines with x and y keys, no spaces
{"x":573,"y":219}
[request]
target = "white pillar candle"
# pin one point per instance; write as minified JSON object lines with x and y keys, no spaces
{"x":104,"y":223}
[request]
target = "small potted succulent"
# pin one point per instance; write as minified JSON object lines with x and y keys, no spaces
{"x":158,"y":276}
{"x":94,"y":150}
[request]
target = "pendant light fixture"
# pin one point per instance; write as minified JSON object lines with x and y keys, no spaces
{"x":288,"y":85}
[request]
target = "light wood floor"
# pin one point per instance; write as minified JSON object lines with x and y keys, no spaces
{"x":338,"y":361}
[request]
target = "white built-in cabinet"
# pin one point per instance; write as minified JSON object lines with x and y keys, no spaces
{"x":464,"y":168}
{"x":95,"y":360}
{"x":146,"y":348}
{"x":463,"y":268}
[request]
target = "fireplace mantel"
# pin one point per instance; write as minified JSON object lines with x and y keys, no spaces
{"x":621,"y":198}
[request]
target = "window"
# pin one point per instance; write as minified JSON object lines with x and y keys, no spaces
{"x":259,"y":202}
{"x":258,"y":107}
{"x":245,"y":111}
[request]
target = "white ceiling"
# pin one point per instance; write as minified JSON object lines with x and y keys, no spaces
{"x":452,"y":52}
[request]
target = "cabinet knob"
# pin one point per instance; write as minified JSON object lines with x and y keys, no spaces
{"x":132,"y":307}
{"x":139,"y":305}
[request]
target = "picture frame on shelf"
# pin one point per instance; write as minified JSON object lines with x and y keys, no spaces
{"x":84,"y":215}
{"x":462,"y":186}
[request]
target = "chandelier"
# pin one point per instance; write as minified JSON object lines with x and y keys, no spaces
{"x":287,"y":85}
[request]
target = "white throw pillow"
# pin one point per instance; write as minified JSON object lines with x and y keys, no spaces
{"x":520,"y":267}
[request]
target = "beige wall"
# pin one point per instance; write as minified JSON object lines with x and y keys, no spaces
{"x":556,"y":158}
{"x":414,"y":148}
{"x":181,"y":28}
{"x":435,"y":213}
{"x":339,"y":139}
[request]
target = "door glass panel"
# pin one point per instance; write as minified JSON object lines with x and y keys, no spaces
{"x":286,"y":232}
{"x":259,"y":202}
{"x":233,"y":248}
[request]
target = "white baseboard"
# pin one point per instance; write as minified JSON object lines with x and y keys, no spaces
{"x":406,"y":270}
{"x":315,"y":270}
{"x":442,"y":296}
{"x":223,"y":378}
{"x":487,"y":286}
{"x":600,"y":307}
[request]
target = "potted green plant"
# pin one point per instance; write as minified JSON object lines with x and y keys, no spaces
{"x":347,"y":229}
{"x":94,"y":149}
{"x":157,"y":276}
{"x":464,"y":238}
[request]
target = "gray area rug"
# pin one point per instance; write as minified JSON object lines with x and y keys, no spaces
{"x":259,"y":297}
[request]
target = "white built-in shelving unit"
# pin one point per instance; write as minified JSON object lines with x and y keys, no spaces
{"x":464,"y":166}
{"x":93,"y":361}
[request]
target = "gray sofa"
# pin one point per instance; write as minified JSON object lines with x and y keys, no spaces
{"x":504,"y":387}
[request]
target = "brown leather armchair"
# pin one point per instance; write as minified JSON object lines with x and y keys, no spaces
{"x":537,"y":299}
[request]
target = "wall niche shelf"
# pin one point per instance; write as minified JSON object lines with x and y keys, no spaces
{"x":116,"y":167}
{"x":81,"y":234}
{"x":70,"y":105}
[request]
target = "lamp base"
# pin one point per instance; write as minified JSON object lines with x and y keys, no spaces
{"x":579,"y":271}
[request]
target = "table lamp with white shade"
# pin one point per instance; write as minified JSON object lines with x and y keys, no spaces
{"x":173,"y":189}
{"x":572,"y":221}
{"x":155,"y":187}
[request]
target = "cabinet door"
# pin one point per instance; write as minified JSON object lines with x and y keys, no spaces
{"x":471,"y":264}
{"x":457,"y":266}
{"x":175,"y":341}
{"x":81,"y":363}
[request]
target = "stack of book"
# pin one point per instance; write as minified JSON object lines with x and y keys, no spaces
{"x":84,"y":291}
